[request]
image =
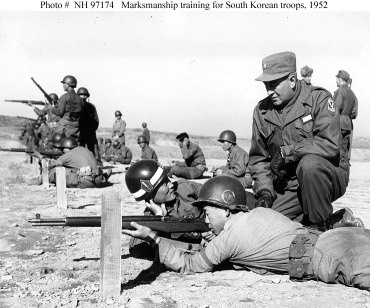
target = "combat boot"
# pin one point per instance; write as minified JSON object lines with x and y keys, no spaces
{"x":345,"y":218}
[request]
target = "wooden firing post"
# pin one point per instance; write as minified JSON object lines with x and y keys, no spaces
{"x":61,"y":187}
{"x":110,"y":245}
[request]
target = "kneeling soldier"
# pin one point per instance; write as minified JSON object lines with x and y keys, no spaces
{"x":82,"y":168}
{"x":121,"y":153}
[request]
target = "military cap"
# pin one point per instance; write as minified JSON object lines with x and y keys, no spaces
{"x":182,"y":136}
{"x":343,"y":74}
{"x":277,"y":66}
{"x":306,"y":71}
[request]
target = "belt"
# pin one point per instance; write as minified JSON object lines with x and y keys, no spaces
{"x":84,"y":171}
{"x":300,"y":255}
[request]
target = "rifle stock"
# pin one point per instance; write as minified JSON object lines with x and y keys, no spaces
{"x":156,"y":223}
{"x":43,"y":91}
{"x":24,"y":101}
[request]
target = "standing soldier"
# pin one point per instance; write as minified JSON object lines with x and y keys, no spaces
{"x":69,"y":108}
{"x":146,"y":151}
{"x":306,"y":73}
{"x":52,"y":118}
{"x":346,"y":102}
{"x":237,"y":160}
{"x":89,"y":123}
{"x":146,"y":132}
{"x":295,"y":157}
{"x":119,"y":128}
{"x":195,"y":162}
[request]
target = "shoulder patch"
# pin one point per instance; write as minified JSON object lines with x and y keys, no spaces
{"x":331,"y":106}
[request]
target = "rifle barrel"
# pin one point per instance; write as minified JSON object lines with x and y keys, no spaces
{"x":25,"y":101}
{"x":157,"y":223}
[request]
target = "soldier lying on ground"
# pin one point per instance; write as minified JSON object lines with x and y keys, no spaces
{"x":266,"y":242}
{"x":147,"y":180}
{"x":237,"y":160}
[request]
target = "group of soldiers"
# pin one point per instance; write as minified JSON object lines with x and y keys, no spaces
{"x":298,"y":164}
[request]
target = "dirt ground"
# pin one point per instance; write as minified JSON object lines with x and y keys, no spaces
{"x":60,"y":267}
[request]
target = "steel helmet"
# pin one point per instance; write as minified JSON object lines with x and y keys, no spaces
{"x":143,"y":177}
{"x":69,"y":143}
{"x":41,"y":119}
{"x":227,"y":135}
{"x":83,"y":91}
{"x":116,"y":144}
{"x":118,"y":113}
{"x":223,"y":192}
{"x":54,"y":97}
{"x":141,"y":139}
{"x":107,"y":141}
{"x":144,"y":124}
{"x":70,"y":80}
{"x":57,"y":138}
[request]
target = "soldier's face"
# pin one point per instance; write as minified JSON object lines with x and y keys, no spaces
{"x":307,"y":79}
{"x":141,"y":144}
{"x":165,"y":193}
{"x":226,"y":145}
{"x":281,"y":91}
{"x":216,"y":218}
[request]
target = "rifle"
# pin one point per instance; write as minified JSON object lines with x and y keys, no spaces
{"x":28,"y":119}
{"x":47,"y":153}
{"x":24,"y":101}
{"x":43,"y":91}
{"x":156,"y":223}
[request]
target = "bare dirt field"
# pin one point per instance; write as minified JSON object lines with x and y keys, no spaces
{"x":60,"y":267}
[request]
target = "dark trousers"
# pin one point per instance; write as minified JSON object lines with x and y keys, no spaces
{"x":320,"y":184}
{"x":186,"y":172}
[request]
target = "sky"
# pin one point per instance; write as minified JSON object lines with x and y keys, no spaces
{"x":179,"y":71}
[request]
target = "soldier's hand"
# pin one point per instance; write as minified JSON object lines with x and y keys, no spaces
{"x":208,"y":236}
{"x":217,"y":172}
{"x":264,"y":200}
{"x":277,"y":163}
{"x":29,"y":104}
{"x":156,"y":209}
{"x":141,"y":232}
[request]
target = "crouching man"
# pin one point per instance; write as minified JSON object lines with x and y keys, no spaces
{"x":266,"y":242}
{"x":82,"y":168}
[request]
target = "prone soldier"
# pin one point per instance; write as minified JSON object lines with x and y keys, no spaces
{"x":265,"y":242}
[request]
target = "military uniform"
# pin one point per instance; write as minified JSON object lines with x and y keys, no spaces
{"x":307,"y":131}
{"x":119,"y":127}
{"x":237,"y":162}
{"x":148,"y":153}
{"x":82,"y":169}
{"x":266,"y":242}
{"x":122,"y":155}
{"x":109,"y":153}
{"x":70,"y":106}
{"x":89,"y":124}
{"x":52,"y":118}
{"x":346,"y":102}
{"x":194,"y":165}
{"x":146,"y":133}
{"x":44,"y":135}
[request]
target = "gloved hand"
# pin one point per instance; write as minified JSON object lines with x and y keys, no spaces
{"x":264,"y":199}
{"x":277,"y":162}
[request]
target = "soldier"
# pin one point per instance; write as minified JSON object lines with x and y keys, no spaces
{"x":195,"y":163}
{"x":121,"y":153}
{"x":265,"y":242}
{"x":119,"y":128}
{"x":69,"y":108}
{"x":146,"y":132}
{"x":306,"y":73}
{"x":89,"y":123}
{"x":43,"y":133}
{"x":146,"y":151}
{"x":101,"y":146}
{"x":295,"y":158}
{"x":346,"y":102}
{"x":109,"y":150}
{"x":147,"y":180}
{"x":82,"y":168}
{"x":52,"y":118}
{"x":237,"y":160}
